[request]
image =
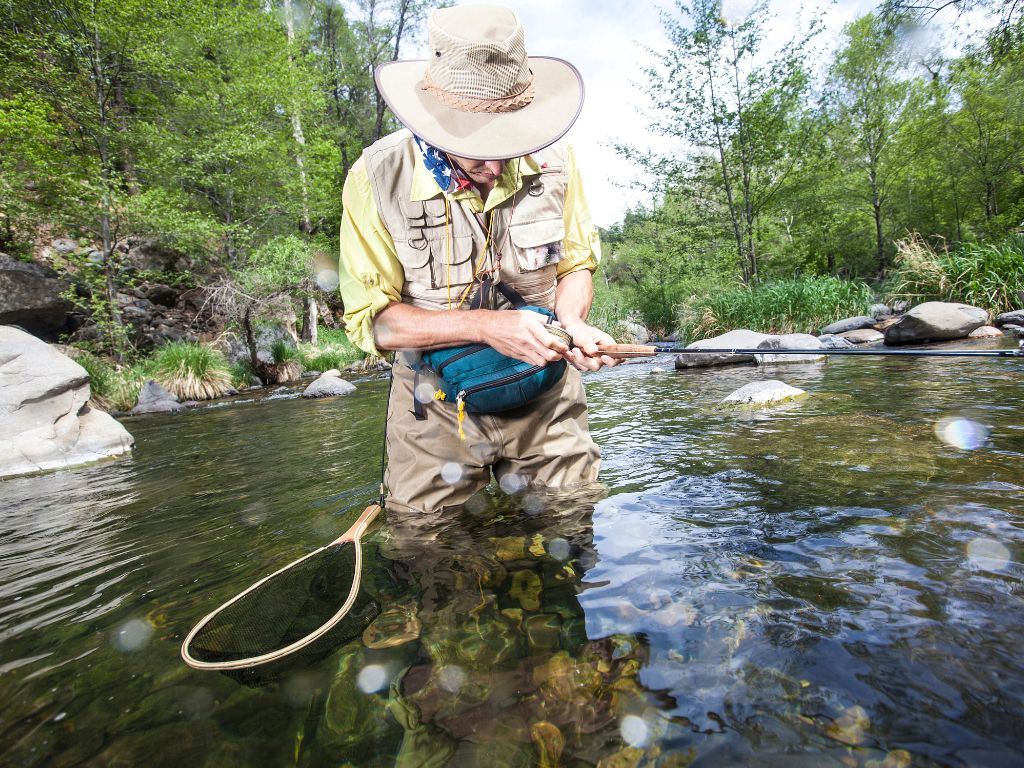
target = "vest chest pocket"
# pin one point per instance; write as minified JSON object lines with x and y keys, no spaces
{"x":433,"y":255}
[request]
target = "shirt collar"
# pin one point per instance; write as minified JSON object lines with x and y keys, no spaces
{"x":425,"y":180}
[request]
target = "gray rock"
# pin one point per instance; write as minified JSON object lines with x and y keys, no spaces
{"x":269,"y":334}
{"x":30,"y":297}
{"x":849,"y":324}
{"x":1014,"y":330}
{"x":935,"y":321}
{"x":758,"y":393}
{"x":737,"y":339}
{"x":329,"y":386}
{"x":634,"y":333}
{"x":864,"y":336}
{"x":985,"y":332}
{"x":64,"y":245}
{"x":789,"y":341}
{"x":828,"y":341}
{"x":901,"y":306}
{"x":45,"y":422}
{"x":161,"y":294}
{"x":149,"y":255}
{"x":1016,"y":317}
{"x":879,"y":310}
{"x":155,"y":399}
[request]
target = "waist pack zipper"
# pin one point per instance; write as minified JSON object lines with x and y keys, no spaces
{"x":500,"y":382}
{"x":464,"y":353}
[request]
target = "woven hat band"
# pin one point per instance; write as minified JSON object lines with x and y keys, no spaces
{"x":470,"y":104}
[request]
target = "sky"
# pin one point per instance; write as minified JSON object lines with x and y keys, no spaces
{"x":608,"y":41}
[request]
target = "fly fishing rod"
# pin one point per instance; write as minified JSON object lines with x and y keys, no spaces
{"x":627,"y":351}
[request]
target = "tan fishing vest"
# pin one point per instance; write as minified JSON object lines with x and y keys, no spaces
{"x":440,"y":260}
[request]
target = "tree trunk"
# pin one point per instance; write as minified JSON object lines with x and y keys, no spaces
{"x":306,"y":225}
{"x":309,"y":320}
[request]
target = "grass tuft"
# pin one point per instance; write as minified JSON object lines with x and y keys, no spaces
{"x":191,"y":371}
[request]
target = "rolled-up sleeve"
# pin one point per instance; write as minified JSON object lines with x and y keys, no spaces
{"x":370,"y":274}
{"x":582,"y":246}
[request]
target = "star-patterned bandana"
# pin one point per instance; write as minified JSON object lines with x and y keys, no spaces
{"x":448,"y":177}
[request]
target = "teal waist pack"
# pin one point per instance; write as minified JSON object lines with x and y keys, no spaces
{"x":480,"y":379}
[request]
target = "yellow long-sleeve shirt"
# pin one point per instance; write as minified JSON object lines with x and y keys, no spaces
{"x":370,"y":274}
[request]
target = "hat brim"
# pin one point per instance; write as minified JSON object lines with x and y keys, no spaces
{"x":557,"y":101}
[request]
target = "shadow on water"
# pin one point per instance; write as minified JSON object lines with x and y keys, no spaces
{"x":835,"y":581}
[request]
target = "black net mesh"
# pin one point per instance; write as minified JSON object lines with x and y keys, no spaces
{"x":287,"y":608}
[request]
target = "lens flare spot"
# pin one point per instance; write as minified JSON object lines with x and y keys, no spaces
{"x":424,"y":392}
{"x":634,"y":731}
{"x":559,"y":549}
{"x":988,"y":554}
{"x":372,"y":679}
{"x":132,"y":635}
{"x":451,"y":678}
{"x":451,"y":473}
{"x":533,"y":504}
{"x":962,"y":433}
{"x":512,"y":483}
{"x":327,"y":279}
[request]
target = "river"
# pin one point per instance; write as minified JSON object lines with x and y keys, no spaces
{"x":836,"y":581}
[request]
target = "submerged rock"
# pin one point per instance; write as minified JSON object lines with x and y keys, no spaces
{"x":935,"y":321}
{"x":985,"y":332}
{"x":45,"y":422}
{"x":758,"y":393}
{"x":828,"y":341}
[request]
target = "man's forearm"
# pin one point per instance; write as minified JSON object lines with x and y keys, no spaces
{"x":403,"y":326}
{"x":573,"y":296}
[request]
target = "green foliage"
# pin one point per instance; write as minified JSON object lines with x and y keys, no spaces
{"x":282,"y":352}
{"x":986,"y":275}
{"x":798,"y":305}
{"x":191,"y":371}
{"x":111,"y":387}
{"x":333,"y":350}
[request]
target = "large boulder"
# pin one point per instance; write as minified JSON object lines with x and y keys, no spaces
{"x":746,"y":339}
{"x":935,"y":321}
{"x":31,"y":297}
{"x":45,"y":422}
{"x":150,"y":255}
{"x":1016,"y":317}
{"x":631,"y":332}
{"x":849,"y":324}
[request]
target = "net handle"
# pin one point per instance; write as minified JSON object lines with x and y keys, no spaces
{"x":353,"y":534}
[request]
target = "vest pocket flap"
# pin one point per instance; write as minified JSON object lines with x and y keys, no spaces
{"x":414,"y":251}
{"x":533,"y":234}
{"x":434,"y":211}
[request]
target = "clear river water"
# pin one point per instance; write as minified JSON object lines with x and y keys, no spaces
{"x":836,"y":581}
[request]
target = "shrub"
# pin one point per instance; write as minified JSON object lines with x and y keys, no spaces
{"x":111,"y":387}
{"x":191,"y":371}
{"x":282,"y":352}
{"x":986,"y":275}
{"x":333,"y":350}
{"x":797,"y":305}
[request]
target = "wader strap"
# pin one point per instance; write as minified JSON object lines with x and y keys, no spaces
{"x":417,"y":406}
{"x":483,"y":295}
{"x":384,"y":447}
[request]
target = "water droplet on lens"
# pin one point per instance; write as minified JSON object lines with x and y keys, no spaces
{"x":327,"y":279}
{"x":634,"y":731}
{"x":961,"y":433}
{"x":372,"y":679}
{"x":559,"y":549}
{"x":451,"y":472}
{"x":533,"y":504}
{"x":132,"y":635}
{"x":424,"y":392}
{"x":512,"y":483}
{"x":451,"y":678}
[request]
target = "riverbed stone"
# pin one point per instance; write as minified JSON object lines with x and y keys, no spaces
{"x":1015,"y":317}
{"x":632,"y":332}
{"x":878,"y":311}
{"x":985,"y":332}
{"x":760,"y":393}
{"x":935,"y":321}
{"x":1013,"y":329}
{"x":329,"y":386}
{"x":737,"y":339}
{"x":863,"y":336}
{"x":849,"y":324}
{"x":155,"y":399}
{"x":831,"y":341}
{"x":45,"y":420}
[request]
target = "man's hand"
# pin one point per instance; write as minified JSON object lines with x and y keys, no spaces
{"x":522,"y":335}
{"x":584,"y":353}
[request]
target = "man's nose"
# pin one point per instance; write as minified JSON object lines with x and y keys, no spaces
{"x":494,"y":166}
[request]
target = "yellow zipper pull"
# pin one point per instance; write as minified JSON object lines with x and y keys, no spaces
{"x":461,"y":403}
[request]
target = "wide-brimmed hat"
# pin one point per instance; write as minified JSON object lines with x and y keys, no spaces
{"x":479,"y":95}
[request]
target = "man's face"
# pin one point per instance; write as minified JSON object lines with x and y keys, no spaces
{"x":480,"y":171}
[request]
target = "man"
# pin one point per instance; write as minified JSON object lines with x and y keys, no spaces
{"x":440,"y":221}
